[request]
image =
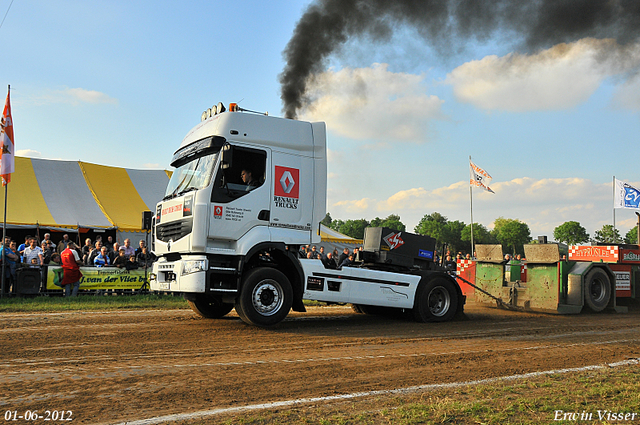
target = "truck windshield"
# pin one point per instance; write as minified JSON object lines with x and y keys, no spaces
{"x":193,"y":175}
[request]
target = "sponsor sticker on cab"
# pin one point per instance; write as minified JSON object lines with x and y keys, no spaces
{"x":171,"y":210}
{"x":287,"y":186}
{"x":217,"y":211}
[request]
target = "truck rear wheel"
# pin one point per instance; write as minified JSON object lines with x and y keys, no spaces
{"x":209,"y":307}
{"x":597,"y":291}
{"x":266,"y":297}
{"x":436,"y":301}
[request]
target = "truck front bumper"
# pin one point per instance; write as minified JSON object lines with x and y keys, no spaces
{"x":185,"y":275}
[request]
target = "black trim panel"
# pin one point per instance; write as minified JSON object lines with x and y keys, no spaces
{"x":359,"y":279}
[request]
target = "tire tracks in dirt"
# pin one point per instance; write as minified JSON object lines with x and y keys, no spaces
{"x":110,"y":367}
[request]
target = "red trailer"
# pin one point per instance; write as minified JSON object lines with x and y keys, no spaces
{"x":623,"y":261}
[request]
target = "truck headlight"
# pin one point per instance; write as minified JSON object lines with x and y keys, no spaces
{"x":153,"y":276}
{"x":193,"y":266}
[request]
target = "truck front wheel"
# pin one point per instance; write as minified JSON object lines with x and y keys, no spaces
{"x":265,"y":298}
{"x":209,"y":307}
{"x":436,"y":301}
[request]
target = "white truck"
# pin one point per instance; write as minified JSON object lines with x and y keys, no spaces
{"x":247,"y":191}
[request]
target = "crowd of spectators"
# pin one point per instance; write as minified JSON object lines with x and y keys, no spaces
{"x":336,"y":260}
{"x":113,"y":254}
{"x":331,"y":259}
{"x":35,"y":253}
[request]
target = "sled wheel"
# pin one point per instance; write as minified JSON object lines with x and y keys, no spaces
{"x":597,"y":291}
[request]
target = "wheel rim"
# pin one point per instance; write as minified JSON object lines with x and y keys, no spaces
{"x":439,"y":301}
{"x":267,"y":297}
{"x":597,"y":290}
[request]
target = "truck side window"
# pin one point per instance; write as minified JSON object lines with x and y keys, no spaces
{"x":246,"y":173}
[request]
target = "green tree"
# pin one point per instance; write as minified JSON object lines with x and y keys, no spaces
{"x":453,"y":236}
{"x":336,"y":224}
{"x":608,"y":234}
{"x":327,"y":220}
{"x":571,"y":232}
{"x":511,"y":233}
{"x":354,"y":228}
{"x":480,"y":234}
{"x":632,"y":236}
{"x":434,"y":225}
{"x":392,"y":222}
{"x":443,"y":231}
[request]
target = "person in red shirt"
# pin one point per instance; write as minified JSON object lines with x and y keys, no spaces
{"x":71,"y":270}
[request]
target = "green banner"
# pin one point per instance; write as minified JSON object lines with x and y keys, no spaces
{"x":99,"y":278}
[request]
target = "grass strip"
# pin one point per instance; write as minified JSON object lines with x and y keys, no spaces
{"x":603,"y":396}
{"x":91,"y":303}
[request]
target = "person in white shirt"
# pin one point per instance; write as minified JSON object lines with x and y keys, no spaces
{"x":128,"y":249}
{"x":33,"y":251}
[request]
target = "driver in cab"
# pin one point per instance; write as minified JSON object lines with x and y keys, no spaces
{"x":247,"y":178}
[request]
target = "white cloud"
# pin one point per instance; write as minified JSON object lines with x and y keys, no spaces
{"x":74,"y":96}
{"x":627,"y":95}
{"x":30,"y":153}
{"x":88,"y":96}
{"x":558,"y":78}
{"x":373,"y":104}
{"x":357,"y":206}
{"x":543,"y":204}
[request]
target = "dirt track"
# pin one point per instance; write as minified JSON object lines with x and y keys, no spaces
{"x":122,"y":366}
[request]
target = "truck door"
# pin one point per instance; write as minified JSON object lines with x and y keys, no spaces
{"x":293,"y":196}
{"x":240,"y":197}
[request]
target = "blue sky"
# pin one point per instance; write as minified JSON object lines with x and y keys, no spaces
{"x":120,"y":83}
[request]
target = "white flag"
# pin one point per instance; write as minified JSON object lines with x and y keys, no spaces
{"x":626,"y":196}
{"x":479,"y":177}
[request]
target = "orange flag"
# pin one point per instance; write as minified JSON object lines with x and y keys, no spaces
{"x":7,"y":163}
{"x":479,"y":177}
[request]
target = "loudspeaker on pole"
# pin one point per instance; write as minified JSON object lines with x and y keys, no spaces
{"x":146,"y":220}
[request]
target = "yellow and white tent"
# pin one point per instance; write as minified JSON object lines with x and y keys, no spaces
{"x":74,"y":194}
{"x":334,"y":239}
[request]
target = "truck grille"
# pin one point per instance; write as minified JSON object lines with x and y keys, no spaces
{"x":174,"y":230}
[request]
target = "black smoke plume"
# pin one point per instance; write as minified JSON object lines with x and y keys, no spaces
{"x":328,"y":24}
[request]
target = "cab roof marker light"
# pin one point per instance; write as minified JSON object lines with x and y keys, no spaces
{"x":219,"y":108}
{"x":213,"y":111}
{"x":233,"y":107}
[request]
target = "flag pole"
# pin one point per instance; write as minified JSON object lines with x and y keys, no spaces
{"x":613,"y":193}
{"x":471,"y":202}
{"x":4,"y":238}
{"x":4,"y":230}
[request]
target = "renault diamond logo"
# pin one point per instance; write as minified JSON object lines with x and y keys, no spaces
{"x":289,"y":179}
{"x":287,"y":182}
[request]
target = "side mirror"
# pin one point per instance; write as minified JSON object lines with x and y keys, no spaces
{"x":227,"y":157}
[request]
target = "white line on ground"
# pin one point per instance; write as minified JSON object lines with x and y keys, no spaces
{"x":431,"y":387}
